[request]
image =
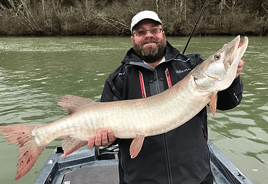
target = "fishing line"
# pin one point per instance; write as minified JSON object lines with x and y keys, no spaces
{"x":201,"y":13}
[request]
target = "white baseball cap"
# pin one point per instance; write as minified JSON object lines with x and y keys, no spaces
{"x":144,"y":15}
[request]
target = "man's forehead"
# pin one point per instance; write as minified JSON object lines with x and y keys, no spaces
{"x":146,"y":22}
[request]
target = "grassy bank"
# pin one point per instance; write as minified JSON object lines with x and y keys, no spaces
{"x":99,"y":17}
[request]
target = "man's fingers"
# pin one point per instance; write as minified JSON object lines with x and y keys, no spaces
{"x":104,"y":138}
{"x":98,"y":138}
{"x":91,"y":142}
{"x":241,"y":64}
{"x":111,"y":137}
{"x":240,"y":67}
{"x":107,"y":137}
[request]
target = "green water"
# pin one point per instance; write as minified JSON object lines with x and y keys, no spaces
{"x":36,"y":72}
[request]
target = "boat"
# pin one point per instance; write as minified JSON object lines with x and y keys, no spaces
{"x":100,"y":166}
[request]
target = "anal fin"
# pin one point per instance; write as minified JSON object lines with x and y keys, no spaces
{"x":136,"y":146}
{"x":70,"y":144}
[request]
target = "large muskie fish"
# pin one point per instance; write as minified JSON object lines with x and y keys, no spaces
{"x":130,"y":118}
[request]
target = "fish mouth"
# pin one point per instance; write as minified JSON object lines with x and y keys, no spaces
{"x":235,"y":50}
{"x":242,"y":42}
{"x":242,"y":46}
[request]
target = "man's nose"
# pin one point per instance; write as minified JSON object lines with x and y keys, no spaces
{"x":149,"y":34}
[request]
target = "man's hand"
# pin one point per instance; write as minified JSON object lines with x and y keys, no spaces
{"x":240,"y":68}
{"x":103,"y":137}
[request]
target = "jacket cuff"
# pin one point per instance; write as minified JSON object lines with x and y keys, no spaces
{"x":232,"y":96}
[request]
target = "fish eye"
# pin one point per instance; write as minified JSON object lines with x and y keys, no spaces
{"x":217,"y":57}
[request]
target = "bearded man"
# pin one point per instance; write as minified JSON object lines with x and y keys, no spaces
{"x":180,"y":156}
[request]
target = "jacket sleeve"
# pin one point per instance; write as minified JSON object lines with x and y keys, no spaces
{"x":232,"y":96}
{"x":111,"y":90}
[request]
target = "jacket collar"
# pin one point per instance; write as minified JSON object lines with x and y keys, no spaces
{"x":133,"y":59}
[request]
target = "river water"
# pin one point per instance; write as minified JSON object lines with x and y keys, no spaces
{"x":36,"y":72}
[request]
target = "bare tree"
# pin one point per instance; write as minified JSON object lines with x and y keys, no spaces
{"x":183,"y":9}
{"x":265,"y":6}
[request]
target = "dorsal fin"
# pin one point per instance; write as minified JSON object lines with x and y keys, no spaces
{"x":73,"y":103}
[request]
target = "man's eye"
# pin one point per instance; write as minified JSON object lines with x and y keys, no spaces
{"x":155,"y":30}
{"x":141,"y":32}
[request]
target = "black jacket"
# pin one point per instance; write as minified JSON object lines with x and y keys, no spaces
{"x":181,"y":155}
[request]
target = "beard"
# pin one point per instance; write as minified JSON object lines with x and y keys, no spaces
{"x":151,"y":53}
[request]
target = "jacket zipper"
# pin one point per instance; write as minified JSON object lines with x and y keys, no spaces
{"x":166,"y":152}
{"x":157,"y":87}
{"x":168,"y":165}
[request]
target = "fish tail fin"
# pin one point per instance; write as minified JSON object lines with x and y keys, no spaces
{"x":29,"y":150}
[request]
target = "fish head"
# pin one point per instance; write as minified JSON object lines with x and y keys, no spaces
{"x":218,"y":71}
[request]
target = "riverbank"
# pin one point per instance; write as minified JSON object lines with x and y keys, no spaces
{"x":112,"y":18}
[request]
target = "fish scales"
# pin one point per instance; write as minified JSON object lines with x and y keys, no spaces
{"x":144,"y":113}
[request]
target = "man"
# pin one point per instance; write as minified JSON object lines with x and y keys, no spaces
{"x":180,"y":156}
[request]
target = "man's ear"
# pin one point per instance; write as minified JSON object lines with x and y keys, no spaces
{"x":132,"y":38}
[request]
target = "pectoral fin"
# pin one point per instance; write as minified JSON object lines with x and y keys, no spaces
{"x":213,"y":103}
{"x":136,"y":146}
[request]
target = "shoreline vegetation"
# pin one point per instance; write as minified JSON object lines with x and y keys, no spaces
{"x":113,"y":17}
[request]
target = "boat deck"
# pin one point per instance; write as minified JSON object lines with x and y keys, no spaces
{"x":100,"y":166}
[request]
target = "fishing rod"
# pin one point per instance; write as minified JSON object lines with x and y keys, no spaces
{"x":201,"y":13}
